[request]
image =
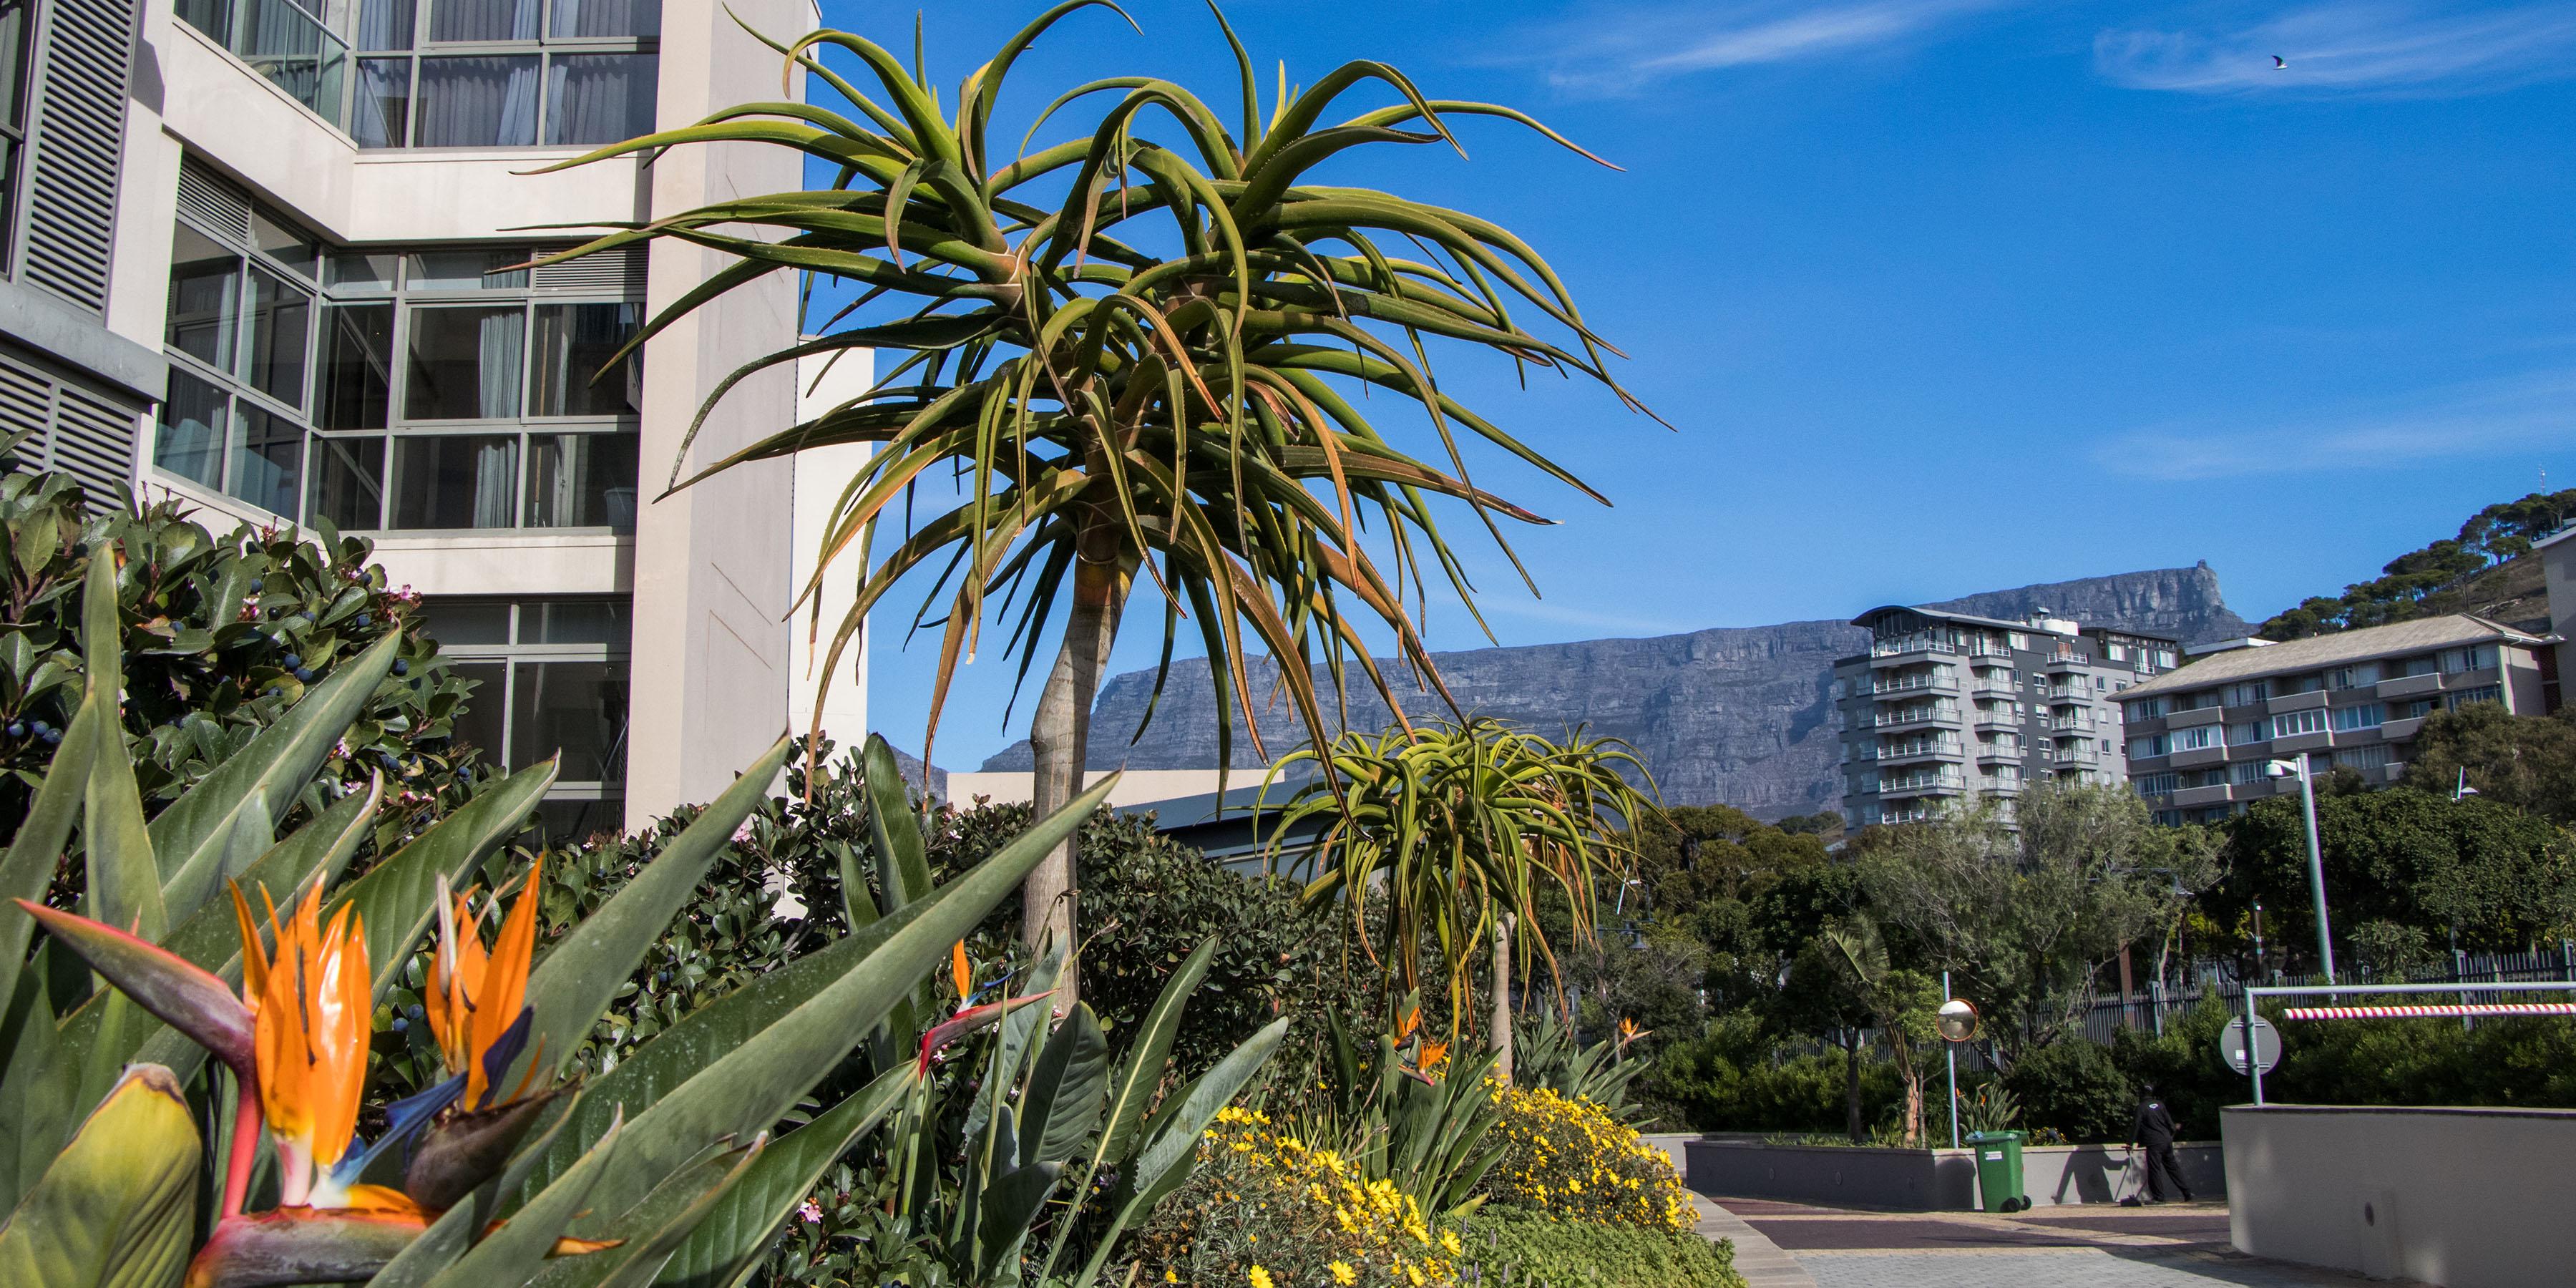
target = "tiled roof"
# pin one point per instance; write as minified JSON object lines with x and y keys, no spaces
{"x":2317,"y":651}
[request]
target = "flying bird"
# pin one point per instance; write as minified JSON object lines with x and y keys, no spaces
{"x":2279,"y":63}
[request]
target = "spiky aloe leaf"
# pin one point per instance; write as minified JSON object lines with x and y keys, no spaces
{"x":582,"y":973}
{"x":754,"y":1085}
{"x":117,"y":1208}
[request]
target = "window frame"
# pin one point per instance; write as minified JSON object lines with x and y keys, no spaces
{"x":544,"y":48}
{"x":512,"y":655}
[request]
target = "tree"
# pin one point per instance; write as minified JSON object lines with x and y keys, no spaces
{"x":2405,"y":870}
{"x":1460,"y":828}
{"x":1695,"y":853}
{"x":2440,"y":578}
{"x":2026,"y":913}
{"x":2528,"y":762}
{"x":1133,"y":356}
{"x":1902,"y":1003}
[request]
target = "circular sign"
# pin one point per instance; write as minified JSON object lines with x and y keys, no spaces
{"x":2267,"y":1044}
{"x":1957,"y":1020}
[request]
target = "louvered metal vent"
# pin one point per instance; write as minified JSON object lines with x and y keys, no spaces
{"x":618,"y":270}
{"x":78,"y":129}
{"x":210,"y":200}
{"x":78,"y":431}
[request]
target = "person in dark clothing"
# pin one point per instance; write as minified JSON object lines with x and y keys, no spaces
{"x":2155,"y":1130}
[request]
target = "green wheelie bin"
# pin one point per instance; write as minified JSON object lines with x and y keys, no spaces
{"x":1999,"y":1184}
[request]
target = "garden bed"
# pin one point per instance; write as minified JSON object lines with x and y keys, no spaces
{"x":1921,"y":1180}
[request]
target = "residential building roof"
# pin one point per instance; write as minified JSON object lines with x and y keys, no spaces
{"x":2554,"y":538}
{"x":2331,"y":650}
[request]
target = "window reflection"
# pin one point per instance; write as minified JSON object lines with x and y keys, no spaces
{"x":575,"y":708}
{"x":194,"y":424}
{"x":477,"y":102}
{"x":280,"y":319}
{"x":573,"y":341}
{"x":465,"y":363}
{"x":205,"y":297}
{"x":268,"y":460}
{"x":581,"y":481}
{"x":455,"y":481}
{"x":357,"y":366}
{"x":348,"y":482}
{"x":599,"y":98}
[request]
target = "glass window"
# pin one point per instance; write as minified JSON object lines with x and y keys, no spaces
{"x":195,"y":422}
{"x":357,"y":375}
{"x":456,"y":481}
{"x":573,"y":342}
{"x":281,"y":320}
{"x":205,"y":297}
{"x":467,"y":621}
{"x":348,"y":482}
{"x":283,"y":242}
{"x":575,"y":708}
{"x":575,"y":621}
{"x":482,"y":20}
{"x":582,"y":481}
{"x":2366,"y":716}
{"x":352,"y":272}
{"x":386,"y":24}
{"x":381,"y":117}
{"x":477,"y":102}
{"x":467,"y":270}
{"x":268,"y":461}
{"x":597,"y":19}
{"x":484,"y":721}
{"x":465,"y":363}
{"x":599,"y":98}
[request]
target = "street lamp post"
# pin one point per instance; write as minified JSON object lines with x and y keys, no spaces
{"x":2316,"y":862}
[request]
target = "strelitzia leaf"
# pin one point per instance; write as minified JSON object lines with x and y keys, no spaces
{"x":581,"y":974}
{"x":117,"y":1209}
{"x":1173,"y":1146}
{"x":29,"y":866}
{"x":738,"y":1232}
{"x":303,"y":1245}
{"x":1063,"y":1100}
{"x":511,"y":1254}
{"x":397,"y":899}
{"x":179,"y":993}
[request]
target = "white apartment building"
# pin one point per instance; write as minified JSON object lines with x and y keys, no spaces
{"x":260,"y":257}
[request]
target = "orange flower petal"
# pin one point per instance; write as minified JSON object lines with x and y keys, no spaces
{"x":505,"y":982}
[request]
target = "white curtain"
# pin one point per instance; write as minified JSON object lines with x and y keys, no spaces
{"x":495,"y":482}
{"x":477,"y":102}
{"x":500,"y":337}
{"x":599,"y":98}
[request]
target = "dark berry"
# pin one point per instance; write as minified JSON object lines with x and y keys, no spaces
{"x":401,"y":667}
{"x":274,"y":691}
{"x":17,"y":728}
{"x":303,"y":675}
{"x":255,"y":584}
{"x":53,"y":736}
{"x":363,"y":619}
{"x":292,"y":661}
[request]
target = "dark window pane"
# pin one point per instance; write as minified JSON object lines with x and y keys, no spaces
{"x":281,"y":318}
{"x":382,"y":118}
{"x":385,"y":24}
{"x":581,"y":481}
{"x":348,"y":482}
{"x":477,"y":103}
{"x":213,"y":17}
{"x":467,"y":621}
{"x":14,"y":33}
{"x":577,"y":708}
{"x":194,"y":424}
{"x":483,"y":19}
{"x":479,"y":722}
{"x":455,"y":481}
{"x":599,"y":98}
{"x":357,"y":366}
{"x":564,"y":822}
{"x":283,"y":242}
{"x":576,"y":621}
{"x":205,"y":297}
{"x":268,"y":459}
{"x":352,"y":271}
{"x":468,"y":270}
{"x":464,"y":363}
{"x":573,"y":340}
{"x":598,"y":19}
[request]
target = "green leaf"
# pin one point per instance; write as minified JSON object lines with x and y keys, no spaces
{"x":1151,"y":1054}
{"x":738,"y":1232}
{"x":752,"y":1086}
{"x":1173,"y":1146}
{"x":124,"y":879}
{"x":1010,"y":1203}
{"x":662,"y":1223}
{"x":1063,"y":1100}
{"x":192,"y":834}
{"x":396,"y":898}
{"x":513,"y":1253}
{"x":118,"y":1208}
{"x":903,"y":864}
{"x":35,"y":1090}
{"x":583,"y":973}
{"x":29,"y":866}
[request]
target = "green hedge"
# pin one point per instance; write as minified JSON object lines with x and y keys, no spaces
{"x":1538,"y":1252}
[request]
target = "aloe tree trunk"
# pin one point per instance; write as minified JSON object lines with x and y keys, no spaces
{"x":1502,"y":1035}
{"x":1059,"y":740}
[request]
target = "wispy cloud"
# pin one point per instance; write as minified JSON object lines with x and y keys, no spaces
{"x":1624,"y":50}
{"x":1513,"y":602}
{"x":2536,"y":410}
{"x":2382,"y":48}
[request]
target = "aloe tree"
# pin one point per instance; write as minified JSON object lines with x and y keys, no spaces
{"x":1460,"y":828}
{"x":1167,"y":358}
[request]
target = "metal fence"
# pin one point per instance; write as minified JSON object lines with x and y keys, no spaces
{"x":2154,"y":1007}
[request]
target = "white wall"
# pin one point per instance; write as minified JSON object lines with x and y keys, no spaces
{"x":2458,"y":1198}
{"x":2558,"y":568}
{"x":822,"y":473}
{"x":1138,"y":787}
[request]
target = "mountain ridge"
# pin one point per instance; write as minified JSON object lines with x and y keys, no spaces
{"x":1741,"y":715}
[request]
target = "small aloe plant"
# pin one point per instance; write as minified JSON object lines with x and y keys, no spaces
{"x":660,"y":1170}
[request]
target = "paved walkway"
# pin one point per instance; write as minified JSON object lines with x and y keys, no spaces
{"x":2175,"y":1246}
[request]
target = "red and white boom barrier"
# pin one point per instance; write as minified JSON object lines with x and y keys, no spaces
{"x":2455,"y":1011}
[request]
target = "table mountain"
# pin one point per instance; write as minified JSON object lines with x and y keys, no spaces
{"x":1740,"y":715}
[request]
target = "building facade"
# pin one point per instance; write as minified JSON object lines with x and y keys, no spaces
{"x":1948,"y":709}
{"x":2199,"y":740}
{"x":268,"y":257}
{"x":2557,"y":553}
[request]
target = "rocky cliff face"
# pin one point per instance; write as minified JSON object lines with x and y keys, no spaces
{"x":1741,"y":715}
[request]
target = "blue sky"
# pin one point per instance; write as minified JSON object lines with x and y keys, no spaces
{"x":1948,"y":296}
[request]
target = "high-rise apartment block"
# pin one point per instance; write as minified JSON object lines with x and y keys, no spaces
{"x":2200,"y":740}
{"x":267,"y":256}
{"x":1947,"y":709}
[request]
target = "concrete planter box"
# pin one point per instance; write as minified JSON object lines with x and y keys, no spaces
{"x":1921,"y":1180}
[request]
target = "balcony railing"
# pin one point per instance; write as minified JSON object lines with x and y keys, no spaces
{"x":282,"y":41}
{"x":1917,"y":748}
{"x":2075,"y":756}
{"x":1917,"y":684}
{"x":1911,"y":644}
{"x":1914,"y":715}
{"x":2071,"y":724}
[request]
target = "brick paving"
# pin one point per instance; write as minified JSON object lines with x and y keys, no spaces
{"x":2178,"y":1246}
